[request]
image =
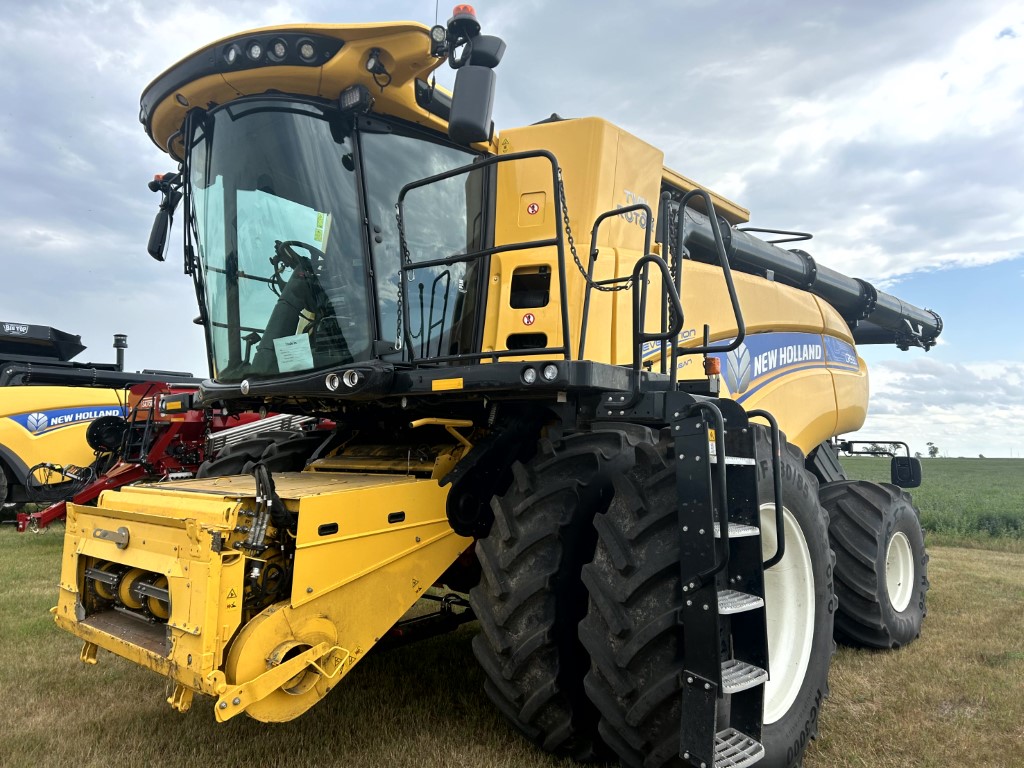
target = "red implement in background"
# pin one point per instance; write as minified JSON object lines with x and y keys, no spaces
{"x":164,"y":437}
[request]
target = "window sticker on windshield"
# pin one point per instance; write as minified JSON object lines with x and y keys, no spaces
{"x":293,"y":353}
{"x":323,"y":230}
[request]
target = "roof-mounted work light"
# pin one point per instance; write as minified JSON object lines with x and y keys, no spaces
{"x":355,"y":98}
{"x":438,"y":42}
{"x":373,"y":63}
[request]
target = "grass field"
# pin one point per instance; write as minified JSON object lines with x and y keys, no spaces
{"x":951,"y":698}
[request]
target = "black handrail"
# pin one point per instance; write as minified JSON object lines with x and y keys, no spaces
{"x":593,"y":259}
{"x":723,"y":258}
{"x":639,"y":305}
{"x":780,"y":522}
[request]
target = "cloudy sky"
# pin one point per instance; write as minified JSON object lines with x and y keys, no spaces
{"x":893,"y":131}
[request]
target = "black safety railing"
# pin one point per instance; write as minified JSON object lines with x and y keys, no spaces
{"x":556,"y":241}
{"x":723,"y":260}
{"x":611,"y":283}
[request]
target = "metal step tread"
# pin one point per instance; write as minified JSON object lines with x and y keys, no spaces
{"x":737,"y":530}
{"x":736,"y":750}
{"x":734,"y":601}
{"x":739,"y":675}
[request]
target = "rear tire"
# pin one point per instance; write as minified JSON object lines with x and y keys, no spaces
{"x":530,"y":597}
{"x":635,"y":593}
{"x":881,"y":564}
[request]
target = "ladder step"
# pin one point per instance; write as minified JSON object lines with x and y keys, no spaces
{"x":739,"y":675}
{"x":733,"y":601}
{"x":737,"y":530}
{"x":736,"y":750}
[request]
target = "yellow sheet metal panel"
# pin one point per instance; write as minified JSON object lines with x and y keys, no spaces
{"x":767,"y":307}
{"x":804,"y":403}
{"x":852,"y":390}
{"x":604,"y":168}
{"x":833,"y":321}
{"x":342,"y":538}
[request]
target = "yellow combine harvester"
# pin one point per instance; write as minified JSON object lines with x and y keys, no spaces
{"x":558,"y":372}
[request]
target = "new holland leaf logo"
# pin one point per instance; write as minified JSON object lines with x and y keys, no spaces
{"x":737,"y":369}
{"x":37,"y":422}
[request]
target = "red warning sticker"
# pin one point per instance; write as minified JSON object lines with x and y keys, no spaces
{"x":529,"y":319}
{"x":532,"y":209}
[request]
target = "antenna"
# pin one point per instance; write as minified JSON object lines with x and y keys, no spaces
{"x":436,"y":2}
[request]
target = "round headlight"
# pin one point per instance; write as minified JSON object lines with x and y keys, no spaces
{"x":529,"y":375}
{"x":278,"y":50}
{"x":550,"y":372}
{"x":332,"y":382}
{"x":231,"y":53}
{"x":438,"y":34}
{"x":244,"y":387}
{"x":307,"y":51}
{"x":254,"y":50}
{"x":351,"y":378}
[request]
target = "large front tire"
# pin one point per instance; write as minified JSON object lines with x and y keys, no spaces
{"x":881,"y":563}
{"x":800,"y":602}
{"x":630,"y":629}
{"x":530,"y":597}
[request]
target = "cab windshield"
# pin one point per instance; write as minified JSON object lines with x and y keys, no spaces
{"x":298,"y":253}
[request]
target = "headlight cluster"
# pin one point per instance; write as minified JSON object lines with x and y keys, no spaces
{"x":549,"y":373}
{"x":279,"y":50}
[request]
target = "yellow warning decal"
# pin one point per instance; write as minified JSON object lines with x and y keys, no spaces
{"x":442,"y":385}
{"x":711,"y":435}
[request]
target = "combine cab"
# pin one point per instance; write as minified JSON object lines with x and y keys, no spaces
{"x":563,"y":381}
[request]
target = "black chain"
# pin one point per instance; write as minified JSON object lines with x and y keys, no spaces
{"x":407,"y":259}
{"x":572,"y":246}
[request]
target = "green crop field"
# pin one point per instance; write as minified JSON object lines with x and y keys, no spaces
{"x":968,"y":502}
{"x":950,"y":698}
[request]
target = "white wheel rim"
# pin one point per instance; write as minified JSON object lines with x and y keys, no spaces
{"x":899,"y":571}
{"x":790,"y":613}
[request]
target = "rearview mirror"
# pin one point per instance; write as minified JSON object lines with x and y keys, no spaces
{"x":472,"y":102}
{"x":905,"y":471}
{"x":158,"y":235}
{"x":169,"y":187}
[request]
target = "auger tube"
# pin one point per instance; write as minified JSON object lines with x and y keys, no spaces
{"x":875,"y":317}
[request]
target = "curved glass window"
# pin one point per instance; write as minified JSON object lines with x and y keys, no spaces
{"x":442,"y":220}
{"x":279,"y":236}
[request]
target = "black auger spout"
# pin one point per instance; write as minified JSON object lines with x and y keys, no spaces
{"x":874,"y":317}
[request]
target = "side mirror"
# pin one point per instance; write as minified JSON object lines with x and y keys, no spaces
{"x":158,"y":235}
{"x":905,"y":471}
{"x":472,"y":103}
{"x":169,"y":187}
